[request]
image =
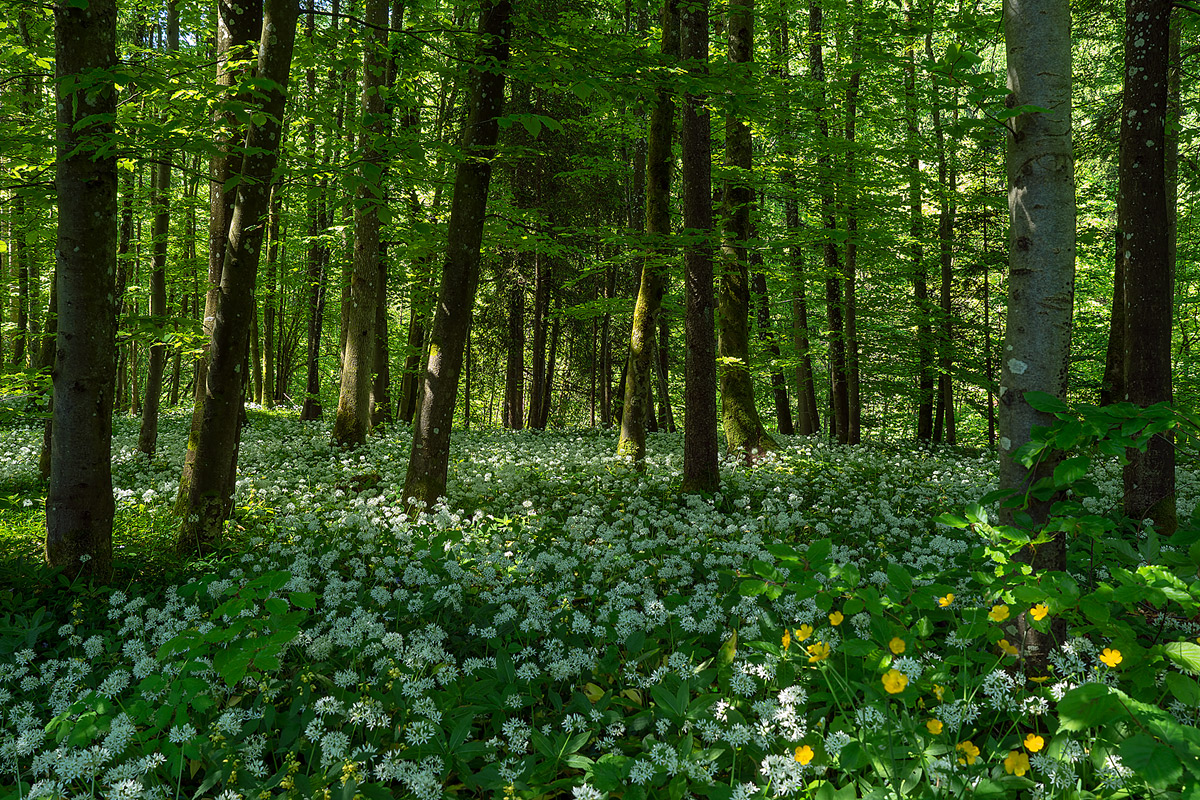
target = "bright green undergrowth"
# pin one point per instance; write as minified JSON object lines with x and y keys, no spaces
{"x":835,"y":623}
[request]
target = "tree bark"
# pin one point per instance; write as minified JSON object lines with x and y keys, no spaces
{"x":206,"y":487}
{"x":853,"y":390}
{"x":783,"y":409}
{"x":743,"y":426}
{"x":353,"y":420}
{"x":79,"y":503}
{"x":271,"y":298}
{"x":1041,"y":200}
{"x":943,"y":423}
{"x":514,"y":383}
{"x":916,"y":226}
{"x":701,"y":472}
{"x":1142,"y":214}
{"x":647,"y":308}
{"x":430,"y":458}
{"x":160,"y":194}
{"x":834,"y":303}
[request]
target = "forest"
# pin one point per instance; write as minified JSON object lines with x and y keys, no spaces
{"x":643,"y":399}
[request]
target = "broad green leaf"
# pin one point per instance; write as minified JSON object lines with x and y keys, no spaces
{"x":1041,"y":401}
{"x":1088,"y":706}
{"x":1152,"y":760}
{"x":1185,"y":654}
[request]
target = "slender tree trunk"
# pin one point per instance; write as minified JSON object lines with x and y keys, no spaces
{"x":160,"y":194}
{"x":606,"y":390}
{"x":271,"y":298}
{"x":744,"y":431}
{"x":666,"y":420}
{"x":1142,"y":213}
{"x":430,"y":459}
{"x":916,"y":226}
{"x":1112,"y":385}
{"x":541,"y":323}
{"x":548,"y":384}
{"x":943,"y":424}
{"x":1041,"y":198}
{"x":647,"y":308}
{"x":79,"y":503}
{"x":853,"y":391}
{"x":834,"y":303}
{"x":701,"y":472}
{"x":206,"y":488}
{"x":783,"y":409}
{"x":514,"y":386}
{"x":353,"y":420}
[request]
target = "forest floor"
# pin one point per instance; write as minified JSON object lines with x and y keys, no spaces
{"x":570,"y":627}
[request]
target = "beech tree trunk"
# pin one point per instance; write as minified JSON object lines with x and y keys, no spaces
{"x":701,"y":472}
{"x":206,"y":487}
{"x":646,"y":310}
{"x":853,"y":391}
{"x":430,"y":459}
{"x":1041,"y":201}
{"x":79,"y":503}
{"x":1142,"y":218}
{"x":514,"y":380}
{"x":271,"y":298}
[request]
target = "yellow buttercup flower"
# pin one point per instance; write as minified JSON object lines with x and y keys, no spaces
{"x":818,"y":652}
{"x":999,"y":613}
{"x":947,"y":600}
{"x":1008,"y":648}
{"x":787,"y":639}
{"x":836,"y":618}
{"x":894,"y":681}
{"x":897,"y":645}
{"x":803,"y":632}
{"x":1040,"y":678}
{"x":969,"y":752}
{"x":939,"y":691}
{"x":934,"y":726}
{"x":804,"y":754}
{"x":1111,"y":657}
{"x":1034,"y":743}
{"x":1017,"y":763}
{"x":1039,"y":611}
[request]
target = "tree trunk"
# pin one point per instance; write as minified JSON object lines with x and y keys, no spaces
{"x":1041,"y":198}
{"x":206,"y":487}
{"x":853,"y":391}
{"x":353,"y":420}
{"x":647,"y":308}
{"x":271,"y":298}
{"x":943,"y":424}
{"x":916,"y":225}
{"x":783,"y":409}
{"x":318,"y":248}
{"x":666,"y":418}
{"x":160,"y":194}
{"x":1142,"y":214}
{"x":514,"y":384}
{"x":79,"y":503}
{"x":430,"y":459}
{"x":744,"y":430}
{"x":701,"y":472}
{"x":834,"y":304}
{"x":541,"y":322}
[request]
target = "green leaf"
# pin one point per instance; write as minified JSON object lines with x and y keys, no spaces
{"x":1183,"y":688}
{"x":303,"y":599}
{"x":1041,"y":401}
{"x":1151,"y":760}
{"x":899,"y":579}
{"x":1185,"y":654}
{"x":819,"y":552}
{"x":1071,"y":470}
{"x":1088,"y":706}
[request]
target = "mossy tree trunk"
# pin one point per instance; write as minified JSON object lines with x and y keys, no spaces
{"x":743,"y":426}
{"x":659,"y":160}
{"x":353,"y":420}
